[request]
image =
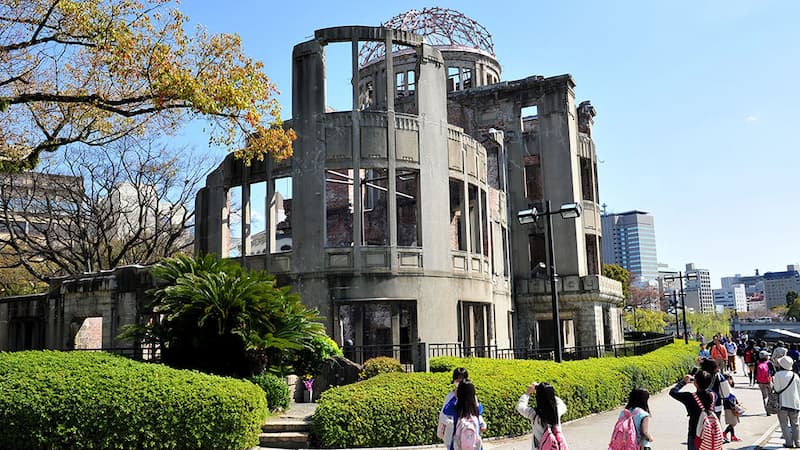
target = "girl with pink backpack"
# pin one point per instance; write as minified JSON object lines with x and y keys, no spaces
{"x":545,"y":417}
{"x":632,"y":430}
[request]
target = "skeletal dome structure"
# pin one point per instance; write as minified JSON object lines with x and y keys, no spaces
{"x":465,"y":45}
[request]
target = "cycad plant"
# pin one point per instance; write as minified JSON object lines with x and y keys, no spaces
{"x":212,"y":315}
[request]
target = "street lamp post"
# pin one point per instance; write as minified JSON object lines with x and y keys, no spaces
{"x":682,"y":295}
{"x":528,"y":216}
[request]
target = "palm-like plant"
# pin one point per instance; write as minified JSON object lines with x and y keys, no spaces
{"x":214,"y":315}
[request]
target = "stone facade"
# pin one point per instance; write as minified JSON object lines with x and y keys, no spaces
{"x":403,"y":209}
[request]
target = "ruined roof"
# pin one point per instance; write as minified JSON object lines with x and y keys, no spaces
{"x":440,"y":27}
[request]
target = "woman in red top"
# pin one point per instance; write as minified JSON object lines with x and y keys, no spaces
{"x":719,"y":354}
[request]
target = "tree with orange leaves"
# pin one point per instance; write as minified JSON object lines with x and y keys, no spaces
{"x":93,"y":71}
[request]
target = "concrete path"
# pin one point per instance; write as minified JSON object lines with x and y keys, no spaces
{"x":668,"y":425}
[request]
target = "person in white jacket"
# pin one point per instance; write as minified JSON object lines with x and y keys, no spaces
{"x":787,"y":383}
{"x":548,"y":410}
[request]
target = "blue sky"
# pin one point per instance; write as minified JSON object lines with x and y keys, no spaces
{"x":695,"y":101}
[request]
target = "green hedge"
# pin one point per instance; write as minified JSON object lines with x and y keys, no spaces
{"x":366,"y":414}
{"x":83,"y":400}
{"x":276,"y":390}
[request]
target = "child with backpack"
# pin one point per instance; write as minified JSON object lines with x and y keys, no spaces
{"x":545,"y":417}
{"x":731,"y":416}
{"x":469,"y":423}
{"x":451,"y":409}
{"x":705,"y":431}
{"x":445,"y":429}
{"x":632,"y":430}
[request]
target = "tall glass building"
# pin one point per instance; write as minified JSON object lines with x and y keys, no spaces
{"x":629,"y":240}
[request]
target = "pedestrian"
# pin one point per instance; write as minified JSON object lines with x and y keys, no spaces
{"x":469,"y":420}
{"x":718,"y":353}
{"x":779,"y":352}
{"x":445,"y":428}
{"x":795,"y":355}
{"x":731,"y":349}
{"x":703,"y":353}
{"x":546,"y":415}
{"x":701,"y":380}
{"x":731,"y":417}
{"x":719,"y":387}
{"x":450,"y":409}
{"x":787,"y":384}
{"x":638,"y":411}
{"x":764,"y":372}
{"x":750,"y":358}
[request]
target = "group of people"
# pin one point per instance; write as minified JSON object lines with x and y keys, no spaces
{"x":776,"y":371}
{"x":461,"y":417}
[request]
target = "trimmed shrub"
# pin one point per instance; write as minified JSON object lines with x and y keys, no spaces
{"x":365,"y":414}
{"x":82,"y":400}
{"x":277,"y":392}
{"x":378,"y":365}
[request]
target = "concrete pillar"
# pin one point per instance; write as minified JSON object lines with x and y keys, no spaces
{"x":308,"y":162}
{"x":433,"y":187}
{"x":561,"y":171}
{"x":245,"y":245}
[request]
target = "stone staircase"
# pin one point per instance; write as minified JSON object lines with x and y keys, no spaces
{"x":288,"y":430}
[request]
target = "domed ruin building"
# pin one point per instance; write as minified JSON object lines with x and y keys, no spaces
{"x":398,"y":218}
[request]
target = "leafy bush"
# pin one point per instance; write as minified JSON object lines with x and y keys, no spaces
{"x":307,"y":360}
{"x":277,"y":392}
{"x":221,"y":318}
{"x":82,"y":400}
{"x":378,"y":365}
{"x":365,"y":414}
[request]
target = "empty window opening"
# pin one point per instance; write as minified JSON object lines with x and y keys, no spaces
{"x":408,"y":208}
{"x":338,"y":76}
{"x":457,"y":232}
{"x":474,"y":219}
{"x":258,"y":216}
{"x":366,"y":94}
{"x":536,"y":250}
{"x":280,"y":216}
{"x":375,"y":218}
{"x":453,"y":79}
{"x":411,"y":79}
{"x":587,"y":182}
{"x":466,"y":74}
{"x":234,"y":221}
{"x":484,"y":223}
{"x":339,"y":208}
{"x":529,"y":112}
{"x":371,"y":329}
{"x":533,"y":178}
{"x":592,"y":255}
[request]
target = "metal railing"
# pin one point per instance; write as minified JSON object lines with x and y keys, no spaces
{"x":569,"y":353}
{"x":145,"y":354}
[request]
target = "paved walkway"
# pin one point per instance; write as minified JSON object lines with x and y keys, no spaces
{"x":668,"y":425}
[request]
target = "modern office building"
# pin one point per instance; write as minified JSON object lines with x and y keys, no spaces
{"x":778,"y":284}
{"x":753,"y":284}
{"x":733,"y":297}
{"x":697,"y":285}
{"x":629,"y":240}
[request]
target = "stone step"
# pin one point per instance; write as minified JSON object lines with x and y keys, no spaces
{"x":286,"y":439}
{"x":281,"y":424}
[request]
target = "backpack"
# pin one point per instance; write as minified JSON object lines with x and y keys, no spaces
{"x":553,"y":439}
{"x":709,"y":431}
{"x":762,"y":372}
{"x":468,"y":432}
{"x":749,"y":356}
{"x":624,"y":436}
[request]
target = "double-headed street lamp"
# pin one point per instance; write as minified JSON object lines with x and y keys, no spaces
{"x":529,"y":216}
{"x":682,"y":295}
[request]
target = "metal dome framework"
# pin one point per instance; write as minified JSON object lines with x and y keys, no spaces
{"x":440,"y":27}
